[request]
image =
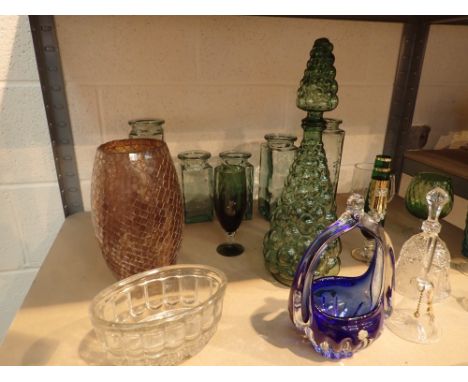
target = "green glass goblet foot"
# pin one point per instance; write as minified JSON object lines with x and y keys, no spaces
{"x":230,"y":249}
{"x":364,"y":254}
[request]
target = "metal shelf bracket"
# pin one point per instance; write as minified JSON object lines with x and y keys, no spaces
{"x":405,"y":90}
{"x":56,"y":106}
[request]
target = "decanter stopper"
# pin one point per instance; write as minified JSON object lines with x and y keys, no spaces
{"x":318,"y":88}
{"x":436,"y":200}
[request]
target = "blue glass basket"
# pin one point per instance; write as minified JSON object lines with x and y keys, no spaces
{"x":341,"y":315}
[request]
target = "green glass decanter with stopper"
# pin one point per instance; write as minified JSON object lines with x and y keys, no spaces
{"x":306,"y":205}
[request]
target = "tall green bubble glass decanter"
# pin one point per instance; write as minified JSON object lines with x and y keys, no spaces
{"x":306,"y":204}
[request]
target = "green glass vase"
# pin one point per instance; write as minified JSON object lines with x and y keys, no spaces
{"x":306,"y":205}
{"x":197,"y":186}
{"x":147,"y":129}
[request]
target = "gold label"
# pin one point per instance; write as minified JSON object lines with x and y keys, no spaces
{"x":378,"y":196}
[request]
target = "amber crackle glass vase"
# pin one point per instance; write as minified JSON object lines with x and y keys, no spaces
{"x":136,"y":205}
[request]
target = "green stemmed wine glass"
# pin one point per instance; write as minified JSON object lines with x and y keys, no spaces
{"x":230,"y":198}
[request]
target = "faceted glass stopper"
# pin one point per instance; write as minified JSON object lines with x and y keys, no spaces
{"x":436,"y":199}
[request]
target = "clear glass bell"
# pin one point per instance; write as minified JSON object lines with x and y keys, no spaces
{"x":414,"y":255}
{"x":422,"y":277}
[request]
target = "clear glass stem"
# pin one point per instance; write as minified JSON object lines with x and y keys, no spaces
{"x":231,"y":236}
{"x":369,"y":246}
{"x":365,"y":253}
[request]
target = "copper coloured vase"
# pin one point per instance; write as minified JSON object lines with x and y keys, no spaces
{"x":136,"y":205}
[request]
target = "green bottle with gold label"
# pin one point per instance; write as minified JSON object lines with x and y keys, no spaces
{"x":380,"y":193}
{"x":380,"y":188}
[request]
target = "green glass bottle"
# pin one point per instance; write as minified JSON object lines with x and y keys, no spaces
{"x":305,"y":207}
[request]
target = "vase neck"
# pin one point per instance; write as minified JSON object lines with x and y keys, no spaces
{"x":313,"y":122}
{"x":313,"y":126}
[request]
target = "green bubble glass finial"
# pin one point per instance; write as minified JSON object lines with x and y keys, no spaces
{"x":306,"y":205}
{"x":318,"y":89}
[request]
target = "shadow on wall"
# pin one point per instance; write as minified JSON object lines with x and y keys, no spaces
{"x":30,"y":199}
{"x":444,"y":109}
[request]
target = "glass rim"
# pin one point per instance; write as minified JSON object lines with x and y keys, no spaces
{"x":281,"y":137}
{"x":120,"y":285}
{"x":335,"y":120}
{"x":364,"y":166}
{"x":146,"y":121}
{"x":194,"y":154}
{"x":434,"y":175}
{"x":374,"y":312}
{"x":234,"y":154}
{"x":129,"y":146}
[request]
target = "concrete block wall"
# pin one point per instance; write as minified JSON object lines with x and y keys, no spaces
{"x":30,"y":205}
{"x":220,"y":82}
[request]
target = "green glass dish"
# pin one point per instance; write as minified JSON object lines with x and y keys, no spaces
{"x":421,"y":184}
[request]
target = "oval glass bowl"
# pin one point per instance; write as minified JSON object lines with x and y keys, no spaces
{"x":159,"y":317}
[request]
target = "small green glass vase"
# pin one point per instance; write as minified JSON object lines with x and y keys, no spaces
{"x":421,"y":184}
{"x":277,"y":154}
{"x":333,"y":139}
{"x":306,"y":205}
{"x":147,"y":128}
{"x":197,"y":186}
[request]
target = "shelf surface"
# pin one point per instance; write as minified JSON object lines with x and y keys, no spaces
{"x":53,"y":326}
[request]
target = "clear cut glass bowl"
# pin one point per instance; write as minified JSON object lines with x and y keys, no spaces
{"x":159,"y":317}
